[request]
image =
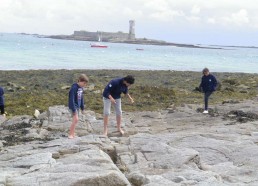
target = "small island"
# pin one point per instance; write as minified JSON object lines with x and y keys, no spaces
{"x":120,"y":37}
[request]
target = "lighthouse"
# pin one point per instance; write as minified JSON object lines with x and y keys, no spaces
{"x":131,"y":35}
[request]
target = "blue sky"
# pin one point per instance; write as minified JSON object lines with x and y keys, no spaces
{"x":214,"y":22}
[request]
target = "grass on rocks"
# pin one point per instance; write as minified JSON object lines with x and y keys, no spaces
{"x":28,"y":90}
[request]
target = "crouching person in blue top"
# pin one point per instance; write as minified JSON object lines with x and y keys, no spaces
{"x":76,"y":101}
{"x":112,"y":96}
{"x":208,"y":86}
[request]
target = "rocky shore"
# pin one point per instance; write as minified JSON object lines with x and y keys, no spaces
{"x":167,"y":141}
{"x":175,"y":146}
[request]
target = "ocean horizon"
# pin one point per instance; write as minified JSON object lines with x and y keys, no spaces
{"x":29,"y":52}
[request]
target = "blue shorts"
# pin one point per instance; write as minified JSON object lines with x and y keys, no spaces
{"x":72,"y":113}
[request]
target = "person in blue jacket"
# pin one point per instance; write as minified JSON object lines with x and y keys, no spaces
{"x":76,"y":101}
{"x":112,"y":96}
{"x":2,"y":101}
{"x":208,"y":86}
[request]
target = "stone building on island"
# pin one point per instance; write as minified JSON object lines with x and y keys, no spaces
{"x":107,"y":36}
{"x":118,"y":37}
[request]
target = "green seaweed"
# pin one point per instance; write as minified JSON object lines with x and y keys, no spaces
{"x":28,"y":90}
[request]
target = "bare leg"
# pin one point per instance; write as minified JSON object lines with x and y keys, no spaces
{"x":105,"y":125}
{"x":72,"y":128}
{"x":118,"y":122}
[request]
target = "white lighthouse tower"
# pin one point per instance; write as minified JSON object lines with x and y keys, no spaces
{"x":131,"y":35}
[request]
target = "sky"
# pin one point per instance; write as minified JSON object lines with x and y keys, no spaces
{"x":209,"y":22}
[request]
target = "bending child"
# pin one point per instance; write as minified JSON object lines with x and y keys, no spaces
{"x":112,"y":95}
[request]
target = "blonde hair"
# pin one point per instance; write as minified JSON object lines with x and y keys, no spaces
{"x":83,"y":78}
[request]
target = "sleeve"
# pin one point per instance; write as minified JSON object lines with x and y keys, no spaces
{"x":72,"y":94}
{"x":108,"y":89}
{"x":215,"y":83}
{"x":201,"y":85}
{"x":82,"y":102}
{"x":126,"y":90}
{"x":1,"y":91}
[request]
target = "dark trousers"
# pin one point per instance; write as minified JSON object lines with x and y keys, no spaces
{"x":206,"y":98}
{"x":2,"y":109}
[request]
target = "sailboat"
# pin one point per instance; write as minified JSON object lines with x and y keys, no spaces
{"x":99,"y":43}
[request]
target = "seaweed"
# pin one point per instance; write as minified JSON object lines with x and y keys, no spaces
{"x":28,"y":90}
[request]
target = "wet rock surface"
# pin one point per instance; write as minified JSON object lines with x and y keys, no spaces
{"x":177,"y":146}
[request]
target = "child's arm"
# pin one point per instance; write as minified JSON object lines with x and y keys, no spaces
{"x":82,"y":104}
{"x":72,"y":94}
{"x":112,"y":99}
{"x":215,"y":83}
{"x":131,"y":99}
{"x":107,"y":91}
{"x":1,"y":91}
{"x":201,"y":85}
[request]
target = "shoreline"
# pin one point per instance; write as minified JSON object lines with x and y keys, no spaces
{"x":212,"y":46}
{"x":139,"y":41}
{"x":132,"y":70}
{"x":27,"y":90}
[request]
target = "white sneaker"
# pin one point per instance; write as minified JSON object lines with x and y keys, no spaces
{"x":205,"y":112}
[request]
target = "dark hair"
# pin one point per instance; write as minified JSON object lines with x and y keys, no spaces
{"x":129,"y":79}
{"x":205,"y":70}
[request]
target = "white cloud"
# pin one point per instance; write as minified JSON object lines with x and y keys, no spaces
{"x":65,"y":16}
{"x":211,"y":20}
{"x":166,"y":16}
{"x":193,"y":19}
{"x":240,"y":17}
{"x":255,"y":21}
{"x":196,"y":9}
{"x":236,"y":19}
{"x":157,"y":5}
{"x":132,"y":13}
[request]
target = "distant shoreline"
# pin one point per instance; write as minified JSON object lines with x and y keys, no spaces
{"x":141,"y":41}
{"x":138,"y":41}
{"x":212,"y":46}
{"x":150,"y":42}
{"x":126,"y":70}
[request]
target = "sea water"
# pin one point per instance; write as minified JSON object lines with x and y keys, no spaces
{"x":25,"y":52}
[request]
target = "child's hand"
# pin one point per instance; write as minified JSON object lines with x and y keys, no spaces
{"x":131,"y":99}
{"x":83,"y":112}
{"x":113,"y":101}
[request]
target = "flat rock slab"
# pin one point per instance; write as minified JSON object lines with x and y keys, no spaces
{"x":183,"y":147}
{"x":78,"y":163}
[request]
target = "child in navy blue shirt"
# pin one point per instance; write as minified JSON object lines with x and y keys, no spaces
{"x":112,"y":96}
{"x":208,"y":86}
{"x":76,"y":101}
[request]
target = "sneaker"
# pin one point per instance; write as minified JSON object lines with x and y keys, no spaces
{"x":205,"y":112}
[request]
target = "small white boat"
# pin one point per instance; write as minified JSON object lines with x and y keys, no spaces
{"x":99,"y":43}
